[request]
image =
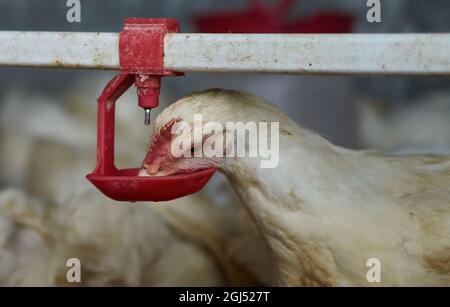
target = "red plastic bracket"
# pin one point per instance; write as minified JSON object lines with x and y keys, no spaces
{"x":125,"y":184}
{"x":141,"y":53}
{"x":141,"y":45}
{"x":141,"y":49}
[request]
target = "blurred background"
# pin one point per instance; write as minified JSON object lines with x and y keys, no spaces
{"x":48,"y":135}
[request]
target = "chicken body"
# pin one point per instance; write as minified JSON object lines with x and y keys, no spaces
{"x":325,"y":210}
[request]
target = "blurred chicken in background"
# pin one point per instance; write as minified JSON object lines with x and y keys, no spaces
{"x":117,"y":244}
{"x":54,"y":214}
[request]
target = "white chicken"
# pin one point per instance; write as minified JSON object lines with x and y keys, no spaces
{"x":114,"y":243}
{"x":325,"y":211}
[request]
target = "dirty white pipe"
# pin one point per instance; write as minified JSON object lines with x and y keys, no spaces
{"x":59,"y":49}
{"x":391,"y":54}
{"x":348,"y":54}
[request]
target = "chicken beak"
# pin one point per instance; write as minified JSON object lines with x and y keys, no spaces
{"x":153,"y":168}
